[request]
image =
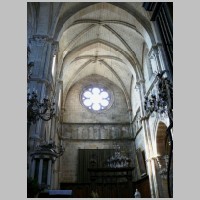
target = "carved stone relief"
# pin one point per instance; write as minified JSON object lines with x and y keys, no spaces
{"x":80,"y":132}
{"x":96,"y":132}
{"x":113,"y":133}
{"x":102,"y":133}
{"x":85,"y":133}
{"x":91,"y":135}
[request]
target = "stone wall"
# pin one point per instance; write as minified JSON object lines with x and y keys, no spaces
{"x":75,"y":112}
{"x":78,"y":131}
{"x":86,"y":129}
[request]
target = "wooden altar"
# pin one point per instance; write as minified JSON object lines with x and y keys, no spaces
{"x":111,"y":182}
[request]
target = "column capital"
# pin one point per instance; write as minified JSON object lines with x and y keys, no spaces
{"x":41,"y":39}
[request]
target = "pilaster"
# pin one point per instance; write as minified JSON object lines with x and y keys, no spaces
{"x":148,"y":141}
{"x":40,"y":171}
{"x":49,"y":173}
{"x":32,"y":168}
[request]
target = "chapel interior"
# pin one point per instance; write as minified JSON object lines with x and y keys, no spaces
{"x":100,"y":99}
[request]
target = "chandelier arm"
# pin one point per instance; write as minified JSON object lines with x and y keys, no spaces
{"x":43,"y":112}
{"x":46,"y":119}
{"x":32,"y":114}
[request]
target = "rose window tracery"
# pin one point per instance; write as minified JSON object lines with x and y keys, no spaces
{"x":96,"y":98}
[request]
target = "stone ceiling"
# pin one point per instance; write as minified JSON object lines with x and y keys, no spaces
{"x":102,"y":39}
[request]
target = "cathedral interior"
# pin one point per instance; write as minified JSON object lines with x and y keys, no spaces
{"x":100,"y":99}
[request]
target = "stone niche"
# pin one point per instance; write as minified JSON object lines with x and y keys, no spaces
{"x":96,"y":131}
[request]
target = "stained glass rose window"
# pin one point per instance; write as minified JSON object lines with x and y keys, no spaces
{"x":96,"y":98}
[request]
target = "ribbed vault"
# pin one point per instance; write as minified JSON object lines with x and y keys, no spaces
{"x":103,"y":39}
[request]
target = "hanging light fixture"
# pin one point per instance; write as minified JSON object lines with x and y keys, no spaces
{"x":162,"y":102}
{"x":117,"y":160}
{"x":39,"y":110}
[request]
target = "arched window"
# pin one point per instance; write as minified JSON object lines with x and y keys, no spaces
{"x":53,"y":66}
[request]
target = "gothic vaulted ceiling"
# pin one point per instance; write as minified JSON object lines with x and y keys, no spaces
{"x":107,"y":39}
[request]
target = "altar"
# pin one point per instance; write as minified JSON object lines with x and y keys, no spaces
{"x":111,"y":182}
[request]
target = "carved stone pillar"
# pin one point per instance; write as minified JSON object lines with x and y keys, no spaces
{"x":40,"y":171}
{"x":148,"y":142}
{"x":49,"y":173}
{"x":33,"y":168}
{"x":42,"y":50}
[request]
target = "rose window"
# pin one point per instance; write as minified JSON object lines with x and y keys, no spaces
{"x":96,"y":98}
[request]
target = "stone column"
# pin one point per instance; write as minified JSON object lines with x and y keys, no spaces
{"x":43,"y":48}
{"x":33,"y":168}
{"x":53,"y":179}
{"x":52,"y":129}
{"x":151,"y":162}
{"x":148,"y":142}
{"x":49,"y":174}
{"x":130,"y":120}
{"x":40,"y":171}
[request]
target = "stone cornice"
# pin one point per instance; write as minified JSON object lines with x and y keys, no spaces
{"x":42,"y":80}
{"x":42,"y":39}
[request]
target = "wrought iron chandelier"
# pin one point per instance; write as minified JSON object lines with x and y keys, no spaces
{"x":162,"y":101}
{"x":153,"y":103}
{"x":118,"y":160}
{"x":39,"y":110}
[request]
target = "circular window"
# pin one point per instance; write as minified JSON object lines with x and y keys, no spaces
{"x":96,"y":98}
